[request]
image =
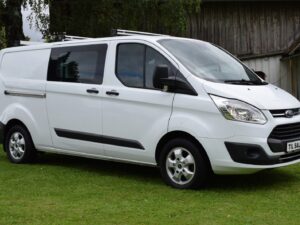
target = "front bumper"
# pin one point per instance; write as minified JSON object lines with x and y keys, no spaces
{"x":256,"y":155}
{"x":243,"y":161}
{"x":268,"y":151}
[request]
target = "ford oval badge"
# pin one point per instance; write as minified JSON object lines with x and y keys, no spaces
{"x":289,"y":113}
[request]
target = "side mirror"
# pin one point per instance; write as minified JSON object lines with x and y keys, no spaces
{"x":176,"y":84}
{"x":161,"y":74}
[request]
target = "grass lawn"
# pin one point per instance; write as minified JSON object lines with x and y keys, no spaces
{"x":69,"y":190}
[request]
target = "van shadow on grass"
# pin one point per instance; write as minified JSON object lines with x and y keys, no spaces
{"x":101,"y":167}
{"x":270,"y":179}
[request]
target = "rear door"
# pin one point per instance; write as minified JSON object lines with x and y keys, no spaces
{"x":135,"y":114}
{"x":74,"y":103}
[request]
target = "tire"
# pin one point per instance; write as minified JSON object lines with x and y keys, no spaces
{"x":18,"y":145}
{"x":182,"y":165}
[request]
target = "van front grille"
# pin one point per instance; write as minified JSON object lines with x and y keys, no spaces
{"x":286,"y":131}
{"x":282,"y":112}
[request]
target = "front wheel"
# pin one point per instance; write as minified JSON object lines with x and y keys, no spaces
{"x":182,"y":165}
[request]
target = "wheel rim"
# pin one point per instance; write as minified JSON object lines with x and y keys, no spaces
{"x":180,"y":165}
{"x":17,"y":145}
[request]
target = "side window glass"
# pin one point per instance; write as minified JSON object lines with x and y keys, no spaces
{"x":154,"y":59}
{"x":130,"y":64}
{"x":136,"y":64}
{"x":80,"y":64}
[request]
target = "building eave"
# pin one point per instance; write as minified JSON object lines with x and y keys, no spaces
{"x":257,"y":56}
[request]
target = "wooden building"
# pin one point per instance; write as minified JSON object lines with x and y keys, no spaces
{"x":264,"y":34}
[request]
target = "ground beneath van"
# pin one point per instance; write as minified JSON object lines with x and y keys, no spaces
{"x":68,"y":190}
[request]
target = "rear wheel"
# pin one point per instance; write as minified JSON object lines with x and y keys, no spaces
{"x":182,"y":164}
{"x":18,"y":145}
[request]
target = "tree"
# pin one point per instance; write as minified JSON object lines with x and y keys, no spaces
{"x":2,"y":37}
{"x":2,"y":29}
{"x":11,"y":24}
{"x":12,"y":21}
{"x":97,"y":18}
{"x":39,"y":19}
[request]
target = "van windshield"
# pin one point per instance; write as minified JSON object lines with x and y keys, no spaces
{"x":209,"y":62}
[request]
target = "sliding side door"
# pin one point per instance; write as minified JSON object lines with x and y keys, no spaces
{"x":74,"y":97}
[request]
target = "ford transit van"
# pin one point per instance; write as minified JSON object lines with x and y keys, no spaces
{"x":184,"y":105}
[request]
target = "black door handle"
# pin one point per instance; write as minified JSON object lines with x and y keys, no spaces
{"x":92,"y":91}
{"x":113,"y":92}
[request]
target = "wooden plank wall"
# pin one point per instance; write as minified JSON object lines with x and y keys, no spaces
{"x":277,"y":71}
{"x":247,"y":28}
{"x":296,"y":72}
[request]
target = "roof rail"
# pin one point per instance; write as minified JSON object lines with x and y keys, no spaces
{"x":74,"y":38}
{"x":29,"y":43}
{"x":120,"y":32}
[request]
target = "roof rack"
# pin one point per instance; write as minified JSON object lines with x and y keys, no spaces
{"x":114,"y":32}
{"x":120,"y":32}
{"x":29,"y":43}
{"x":74,"y":38}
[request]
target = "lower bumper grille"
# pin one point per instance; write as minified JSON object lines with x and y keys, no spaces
{"x":256,"y":155}
{"x":289,"y":157}
{"x":282,"y":134}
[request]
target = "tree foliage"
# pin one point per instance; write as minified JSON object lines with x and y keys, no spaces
{"x":2,"y":37}
{"x":97,"y":18}
{"x":39,"y":18}
{"x":2,"y":29}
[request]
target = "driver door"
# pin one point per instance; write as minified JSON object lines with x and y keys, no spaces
{"x":135,"y":114}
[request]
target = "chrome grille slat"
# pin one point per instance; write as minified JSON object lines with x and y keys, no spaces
{"x":281,"y":112}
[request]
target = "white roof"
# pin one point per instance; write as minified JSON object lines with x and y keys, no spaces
{"x":42,"y":45}
{"x":87,"y":41}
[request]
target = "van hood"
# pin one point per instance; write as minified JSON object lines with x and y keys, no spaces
{"x":267,"y":97}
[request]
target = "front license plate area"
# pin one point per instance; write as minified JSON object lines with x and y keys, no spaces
{"x":293,"y":146}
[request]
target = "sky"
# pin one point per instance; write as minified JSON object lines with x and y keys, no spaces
{"x":32,"y":33}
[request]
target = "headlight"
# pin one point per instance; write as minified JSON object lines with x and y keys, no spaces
{"x":240,"y":111}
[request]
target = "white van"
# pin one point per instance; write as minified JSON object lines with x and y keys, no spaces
{"x":184,"y":105}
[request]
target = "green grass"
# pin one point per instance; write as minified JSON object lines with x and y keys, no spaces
{"x":69,"y":190}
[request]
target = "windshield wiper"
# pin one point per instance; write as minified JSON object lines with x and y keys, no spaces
{"x":245,"y":82}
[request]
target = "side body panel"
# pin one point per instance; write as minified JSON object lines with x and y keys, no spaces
{"x":72,"y":109}
{"x":23,"y":79}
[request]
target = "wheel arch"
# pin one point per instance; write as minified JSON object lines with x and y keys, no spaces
{"x":11,"y":123}
{"x":180,"y":134}
{"x":18,"y":113}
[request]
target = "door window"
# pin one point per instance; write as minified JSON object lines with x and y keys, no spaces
{"x":80,"y":64}
{"x":136,"y":65}
{"x":130,"y":64}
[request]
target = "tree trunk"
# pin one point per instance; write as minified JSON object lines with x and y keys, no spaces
{"x":13,"y":22}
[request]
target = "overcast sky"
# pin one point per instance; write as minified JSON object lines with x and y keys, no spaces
{"x":32,"y":33}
